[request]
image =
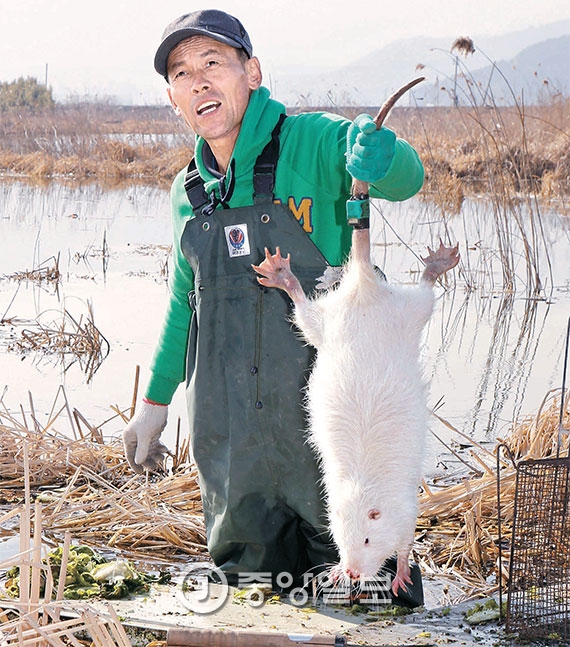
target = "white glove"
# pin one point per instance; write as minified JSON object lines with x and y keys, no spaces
{"x":141,"y":437}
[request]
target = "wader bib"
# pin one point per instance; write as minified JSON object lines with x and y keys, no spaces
{"x":246,"y":371}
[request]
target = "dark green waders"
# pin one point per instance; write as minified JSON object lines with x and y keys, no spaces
{"x":247,"y":367}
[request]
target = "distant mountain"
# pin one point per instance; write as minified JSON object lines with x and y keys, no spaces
{"x":537,"y":71}
{"x":534,"y":61}
{"x":533,"y":75}
{"x":506,"y":46}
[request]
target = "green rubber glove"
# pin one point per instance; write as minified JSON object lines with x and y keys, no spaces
{"x":369,"y":152}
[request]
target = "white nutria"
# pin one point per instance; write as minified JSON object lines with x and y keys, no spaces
{"x":366,"y":401}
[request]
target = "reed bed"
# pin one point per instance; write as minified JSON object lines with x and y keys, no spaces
{"x":87,"y":491}
{"x":87,"y":488}
{"x":78,"y":338}
{"x":520,"y":149}
{"x":517,"y":159}
{"x":516,"y":156}
{"x":81,"y":143}
{"x":458,"y":536}
{"x":464,"y":149}
{"x":34,"y":620}
{"x":144,"y":520}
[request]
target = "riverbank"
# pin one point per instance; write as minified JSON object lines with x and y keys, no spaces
{"x":466,"y":150}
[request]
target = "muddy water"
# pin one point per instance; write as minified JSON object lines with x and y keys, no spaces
{"x":491,"y":356}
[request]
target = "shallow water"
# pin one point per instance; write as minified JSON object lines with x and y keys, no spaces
{"x":490,"y":357}
{"x":128,"y":294}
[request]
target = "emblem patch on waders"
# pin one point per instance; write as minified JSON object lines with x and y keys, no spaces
{"x":237,"y":240}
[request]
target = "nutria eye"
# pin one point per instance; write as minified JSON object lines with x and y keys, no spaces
{"x":366,"y":541}
{"x":374,"y":514}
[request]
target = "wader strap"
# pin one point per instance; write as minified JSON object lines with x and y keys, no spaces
{"x":194,"y":186}
{"x":263,"y":175}
{"x":264,"y":169}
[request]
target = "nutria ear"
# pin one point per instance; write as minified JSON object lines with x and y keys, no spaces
{"x":374,"y":514}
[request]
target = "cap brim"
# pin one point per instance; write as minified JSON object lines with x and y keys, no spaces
{"x":170,"y":42}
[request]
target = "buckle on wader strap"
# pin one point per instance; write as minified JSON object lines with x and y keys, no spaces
{"x":263,"y":177}
{"x":194,"y":187}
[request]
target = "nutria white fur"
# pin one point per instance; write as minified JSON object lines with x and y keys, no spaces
{"x":366,"y":401}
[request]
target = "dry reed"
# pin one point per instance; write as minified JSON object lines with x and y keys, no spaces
{"x":111,"y":145}
{"x":514,"y":156}
{"x":87,"y":490}
{"x":47,"y":271}
{"x":458,"y":537}
{"x":526,"y":146}
{"x":79,"y":339}
{"x":43,"y":626}
{"x":35,"y":621}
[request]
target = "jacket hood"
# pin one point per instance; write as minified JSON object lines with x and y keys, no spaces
{"x":261,"y":115}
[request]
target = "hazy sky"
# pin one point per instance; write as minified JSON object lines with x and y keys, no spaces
{"x":107,"y":46}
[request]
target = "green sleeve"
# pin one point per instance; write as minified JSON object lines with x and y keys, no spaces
{"x":169,"y":363}
{"x":404,"y":178}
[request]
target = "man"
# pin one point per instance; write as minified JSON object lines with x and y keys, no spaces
{"x":258,"y":179}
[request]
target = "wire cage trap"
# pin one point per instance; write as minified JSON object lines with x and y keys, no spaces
{"x":538,"y":595}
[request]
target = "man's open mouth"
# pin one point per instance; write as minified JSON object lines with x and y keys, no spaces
{"x":207,"y":107}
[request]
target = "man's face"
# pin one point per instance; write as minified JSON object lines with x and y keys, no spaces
{"x":209,"y":86}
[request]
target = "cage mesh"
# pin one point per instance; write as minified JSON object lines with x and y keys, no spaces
{"x":538,"y":603}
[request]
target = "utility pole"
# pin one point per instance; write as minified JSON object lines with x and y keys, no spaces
{"x":46,"y":78}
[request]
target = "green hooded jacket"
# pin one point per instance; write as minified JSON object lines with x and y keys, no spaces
{"x":311,"y":179}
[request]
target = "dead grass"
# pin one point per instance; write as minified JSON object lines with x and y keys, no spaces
{"x":457,"y":535}
{"x":484,"y":149}
{"x":68,"y":338}
{"x":35,"y":619}
{"x":516,"y":158}
{"x":88,"y":490}
{"x":47,"y":271}
{"x":111,"y":145}
{"x":465,"y":150}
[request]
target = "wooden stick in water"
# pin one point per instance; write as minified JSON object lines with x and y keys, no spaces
{"x":63,"y":570}
{"x":69,"y":415}
{"x":33,"y":413}
{"x":36,"y":561}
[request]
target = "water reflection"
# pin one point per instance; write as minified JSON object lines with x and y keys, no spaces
{"x":491,"y":355}
{"x":62,"y":339}
{"x":505,"y":334}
